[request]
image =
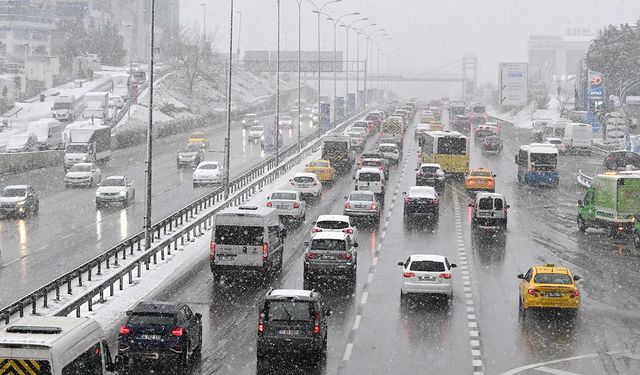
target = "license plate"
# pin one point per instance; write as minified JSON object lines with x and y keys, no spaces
{"x":288,"y":332}
{"x":282,"y":207}
{"x":363,"y":187}
{"x":150,"y":337}
{"x":426,"y":278}
{"x":303,"y":185}
{"x":553,"y":294}
{"x":485,"y":213}
{"x":360,"y":206}
{"x":226,"y":256}
{"x":329,"y":257}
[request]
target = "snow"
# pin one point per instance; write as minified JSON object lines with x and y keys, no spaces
{"x":523,"y":116}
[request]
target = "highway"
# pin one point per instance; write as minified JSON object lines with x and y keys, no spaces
{"x":370,"y":332}
{"x":69,"y":230}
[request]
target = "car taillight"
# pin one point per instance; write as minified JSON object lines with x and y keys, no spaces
{"x":348,"y":230}
{"x":316,"y":323}
{"x":374,"y":206}
{"x":296,"y":205}
{"x":445,"y":276}
{"x":435,"y":202}
{"x":472,"y":182}
{"x":574,"y":293}
{"x":316,"y":229}
{"x":177,"y":332}
{"x":265,"y":251}
{"x":409,"y":274}
{"x":292,"y":182}
{"x":348,"y":205}
{"x":532,"y":292}
{"x":489,"y":182}
{"x":408,"y":200}
{"x":212,"y":247}
{"x":269,"y":204}
{"x":345,"y":256}
{"x":310,"y":255}
{"x":315,"y":183}
{"x":261,"y":322}
{"x":124,"y":330}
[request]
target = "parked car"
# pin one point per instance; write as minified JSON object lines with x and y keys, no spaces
{"x":115,"y":189}
{"x":82,"y":174}
{"x":19,"y":200}
{"x":421,"y":201}
{"x":426,"y":274}
{"x":362,"y":205}
{"x":308,"y":184}
{"x":206,"y":173}
{"x":169,"y":333}
{"x":330,"y":255}
{"x":289,"y":205}
{"x":292,"y":321}
{"x":430,"y":174}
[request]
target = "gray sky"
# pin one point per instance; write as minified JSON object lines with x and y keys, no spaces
{"x":425,"y":33}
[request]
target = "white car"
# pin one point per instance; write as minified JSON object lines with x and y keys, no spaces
{"x":289,"y":205}
{"x":82,"y":174}
{"x":307,"y":184}
{"x":115,"y":189}
{"x":335,"y":223}
{"x":286,"y":121}
{"x":390,"y":152}
{"x":256,"y":132}
{"x":207,"y":172}
{"x":557,"y":143}
{"x":427,"y":274}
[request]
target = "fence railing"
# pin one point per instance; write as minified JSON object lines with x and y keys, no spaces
{"x":584,"y":180}
{"x":183,"y":225}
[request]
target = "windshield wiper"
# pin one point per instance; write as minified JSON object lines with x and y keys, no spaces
{"x":288,"y":314}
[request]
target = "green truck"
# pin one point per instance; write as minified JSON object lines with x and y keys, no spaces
{"x":613,"y":203}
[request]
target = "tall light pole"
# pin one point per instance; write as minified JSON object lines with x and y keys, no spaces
{"x":227,"y":140}
{"x":204,"y":21}
{"x":277,"y":138}
{"x":318,"y":10}
{"x":335,"y":58}
{"x":358,"y":32}
{"x":347,"y":27}
{"x":148,"y":233}
{"x":368,"y":65}
{"x":299,"y":85}
{"x":129,"y":25}
{"x":239,"y":33}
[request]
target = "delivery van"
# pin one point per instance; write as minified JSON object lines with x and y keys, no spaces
{"x":578,"y":138}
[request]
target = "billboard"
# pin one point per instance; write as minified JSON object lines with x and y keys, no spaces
{"x":595,"y":98}
{"x":325,"y":116}
{"x":513,"y":88}
{"x":339,"y":108}
{"x":267,"y":61}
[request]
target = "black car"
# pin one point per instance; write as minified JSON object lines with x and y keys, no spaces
{"x":421,"y":201}
{"x":160,"y":332}
{"x":430,"y":175}
{"x":292,"y":321}
{"x":492,"y":144}
{"x":19,"y":200}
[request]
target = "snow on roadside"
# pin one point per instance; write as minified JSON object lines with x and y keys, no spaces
{"x":523,"y":117}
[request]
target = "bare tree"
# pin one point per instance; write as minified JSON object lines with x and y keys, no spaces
{"x":191,"y":52}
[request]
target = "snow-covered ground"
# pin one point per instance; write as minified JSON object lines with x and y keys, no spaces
{"x":522,"y":118}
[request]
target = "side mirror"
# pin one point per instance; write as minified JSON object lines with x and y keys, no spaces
{"x":401,"y":264}
{"x":128,"y":312}
{"x":306,"y":243}
{"x":580,"y":204}
{"x":355,"y":244}
{"x":198,"y":316}
{"x":508,"y":207}
{"x":470,"y":204}
{"x":404,"y":193}
{"x":495,"y":175}
{"x":453,"y":265}
{"x":576,"y":277}
{"x":328,"y":312}
{"x":520,"y":276}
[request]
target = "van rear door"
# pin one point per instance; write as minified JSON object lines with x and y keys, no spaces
{"x":238,"y":245}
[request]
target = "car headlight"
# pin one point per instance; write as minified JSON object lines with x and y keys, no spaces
{"x":21,"y":203}
{"x":123,"y":193}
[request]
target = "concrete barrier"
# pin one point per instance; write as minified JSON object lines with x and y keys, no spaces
{"x":24,"y":161}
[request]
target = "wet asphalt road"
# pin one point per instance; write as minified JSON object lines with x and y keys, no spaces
{"x":70,"y":230}
{"x":370,"y":332}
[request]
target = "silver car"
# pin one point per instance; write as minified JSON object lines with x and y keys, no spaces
{"x":289,"y":205}
{"x":362,"y":205}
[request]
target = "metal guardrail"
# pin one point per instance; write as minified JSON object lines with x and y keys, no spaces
{"x":241,"y":188}
{"x":584,"y":180}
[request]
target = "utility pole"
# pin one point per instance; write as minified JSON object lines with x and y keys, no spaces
{"x":239,"y":33}
{"x":148,"y":233}
{"x":227,"y":140}
{"x":299,"y":85}
{"x":277,"y":137}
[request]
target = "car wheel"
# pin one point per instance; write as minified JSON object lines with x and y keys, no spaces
{"x":186,"y":358}
{"x":91,"y":182}
{"x":521,"y":310}
{"x":582,"y":226}
{"x":198,"y":351}
{"x":636,"y":241}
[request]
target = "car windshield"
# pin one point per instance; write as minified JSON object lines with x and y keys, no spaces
{"x":361,"y":197}
{"x":113,"y":182}
{"x":208,"y":166}
{"x":429,"y":170}
{"x":284,"y":196}
{"x":80,"y":168}
{"x":303,"y":179}
{"x":239,"y":235}
{"x":77,"y":148}
{"x":14,"y":192}
{"x":156,"y":319}
{"x":328,"y":244}
{"x":369,"y":176}
{"x":479,"y":109}
{"x":552,"y":278}
{"x":387,"y":149}
{"x":321,"y":164}
{"x":427,"y":266}
{"x":372,"y":163}
{"x":192,"y":148}
{"x":555,"y":141}
{"x":492,"y":138}
{"x":288,"y":310}
{"x":332,"y":224}
{"x":481,"y":174}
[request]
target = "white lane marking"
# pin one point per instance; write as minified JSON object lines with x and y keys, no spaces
{"x":364,"y":298}
{"x":370,"y":278}
{"x":356,"y":323}
{"x":347,"y":352}
{"x":475,"y":343}
{"x":568,"y":359}
{"x":374,"y":261}
{"x":555,"y":371}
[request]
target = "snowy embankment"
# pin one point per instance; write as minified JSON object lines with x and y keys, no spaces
{"x":522,"y":117}
{"x":109,"y":311}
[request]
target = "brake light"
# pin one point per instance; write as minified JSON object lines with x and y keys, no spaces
{"x":124,"y":330}
{"x":316,"y":229}
{"x":532,"y":292}
{"x":409,"y":274}
{"x":310,"y":255}
{"x":265,"y":251}
{"x":348,"y":205}
{"x":177,"y":332}
{"x":490,"y":182}
{"x":345,"y":256}
{"x":574,"y":293}
{"x":445,"y":276}
{"x":296,"y":205}
{"x":269,"y":204}
{"x":316,"y":323}
{"x":435,"y":201}
{"x":472,"y":182}
{"x":261,"y":322}
{"x":348,"y":230}
{"x":408,"y":200}
{"x":212,"y":246}
{"x":374,"y":206}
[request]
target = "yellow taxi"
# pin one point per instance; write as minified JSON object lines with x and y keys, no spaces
{"x":427,"y":119}
{"x":322,"y":169}
{"x":436,"y":126}
{"x":548,"y":287}
{"x":480,"y":179}
{"x":199,"y":138}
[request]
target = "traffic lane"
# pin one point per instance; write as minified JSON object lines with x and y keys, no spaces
{"x":34,"y":244}
{"x":230,"y":311}
{"x":426,"y":332}
{"x":541,"y":229}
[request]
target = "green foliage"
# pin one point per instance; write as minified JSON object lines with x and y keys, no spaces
{"x":104,"y":40}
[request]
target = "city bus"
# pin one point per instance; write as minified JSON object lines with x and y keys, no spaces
{"x":538,"y":165}
{"x":450,"y":149}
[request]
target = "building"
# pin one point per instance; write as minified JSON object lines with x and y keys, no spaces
{"x":25,"y":29}
{"x":556,"y":57}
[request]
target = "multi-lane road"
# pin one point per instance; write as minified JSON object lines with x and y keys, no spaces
{"x":370,"y":332}
{"x":70,"y":230}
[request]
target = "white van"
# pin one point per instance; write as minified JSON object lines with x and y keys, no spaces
{"x":49,"y":133}
{"x":370,"y":179}
{"x":578,"y":138}
{"x":54,"y":346}
{"x":246,"y":239}
{"x":22,"y":143}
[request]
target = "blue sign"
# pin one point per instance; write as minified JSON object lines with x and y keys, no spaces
{"x":594,"y":98}
{"x":325,"y":116}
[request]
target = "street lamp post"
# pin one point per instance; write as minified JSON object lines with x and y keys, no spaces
{"x":299,"y":85}
{"x":370,"y":39}
{"x":239,"y":33}
{"x":148,"y":233}
{"x":347,"y":27}
{"x":358,"y":32}
{"x":227,"y":140}
{"x":204,"y":21}
{"x":277,"y":138}
{"x":129,"y":25}
{"x":318,"y":10}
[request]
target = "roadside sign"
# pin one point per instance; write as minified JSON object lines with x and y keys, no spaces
{"x":513,"y":86}
{"x":325,"y":116}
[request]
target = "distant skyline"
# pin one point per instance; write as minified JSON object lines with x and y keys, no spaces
{"x":425,"y":33}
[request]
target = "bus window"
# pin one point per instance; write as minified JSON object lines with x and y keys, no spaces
{"x":452,"y":146}
{"x":543,"y":162}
